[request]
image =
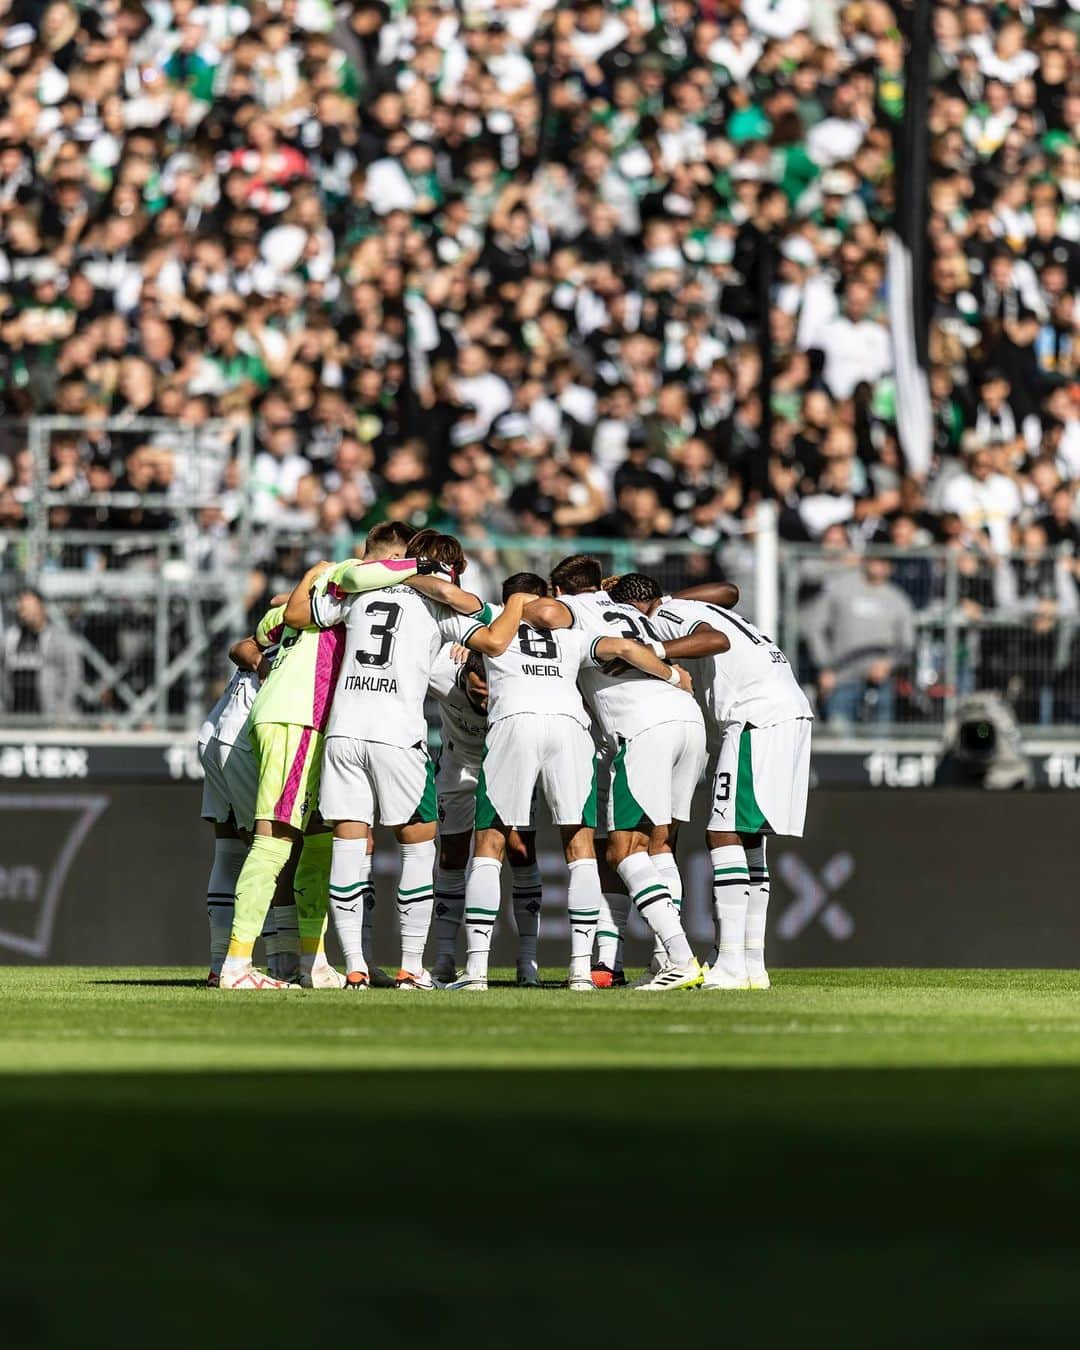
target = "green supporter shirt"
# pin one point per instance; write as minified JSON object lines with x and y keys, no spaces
{"x":301,"y":682}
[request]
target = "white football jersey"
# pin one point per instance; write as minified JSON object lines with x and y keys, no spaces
{"x":627,"y":703}
{"x":392,"y":638}
{"x":463,"y":726}
{"x":538,"y":673}
{"x":751,"y":683}
{"x":227,"y":719}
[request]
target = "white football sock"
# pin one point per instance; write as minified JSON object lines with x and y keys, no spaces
{"x":528,"y":899}
{"x":611,"y":928}
{"x":229,"y":855}
{"x":449,"y":909}
{"x":731,"y":894}
{"x":668,"y":868}
{"x":350,"y":868}
{"x":415,"y":901}
{"x":757,"y":910}
{"x":648,"y":892}
{"x":483,"y":891}
{"x":583,"y":906}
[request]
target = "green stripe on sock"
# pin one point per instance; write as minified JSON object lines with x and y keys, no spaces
{"x":420,"y":890}
{"x":481,"y":911}
{"x":647,"y":891}
{"x":604,"y":932}
{"x":347,"y":890}
{"x":726,"y":871}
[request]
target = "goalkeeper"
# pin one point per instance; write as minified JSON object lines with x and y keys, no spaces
{"x":286,"y":724}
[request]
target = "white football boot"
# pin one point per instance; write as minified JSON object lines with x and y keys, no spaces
{"x":250,"y":978}
{"x":729,"y":972}
{"x":673,"y":977}
{"x":316,"y":972}
{"x":476,"y":984}
{"x":416,"y":981}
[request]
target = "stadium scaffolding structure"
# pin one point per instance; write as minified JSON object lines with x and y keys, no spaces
{"x":152,"y":606}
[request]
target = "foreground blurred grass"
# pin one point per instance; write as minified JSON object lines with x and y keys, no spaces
{"x":859,"y":1158}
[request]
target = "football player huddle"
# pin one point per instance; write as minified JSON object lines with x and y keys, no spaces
{"x":575,"y":688}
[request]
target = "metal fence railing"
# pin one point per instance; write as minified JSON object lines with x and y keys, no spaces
{"x":143,"y":584}
{"x":893,"y":639}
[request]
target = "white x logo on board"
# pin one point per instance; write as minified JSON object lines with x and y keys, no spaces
{"x":813,"y":896}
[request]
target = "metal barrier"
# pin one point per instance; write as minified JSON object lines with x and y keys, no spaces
{"x":146,"y":582}
{"x":901,"y":635}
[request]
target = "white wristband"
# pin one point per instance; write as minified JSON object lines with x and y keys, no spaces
{"x":658,"y":648}
{"x":674,"y":678}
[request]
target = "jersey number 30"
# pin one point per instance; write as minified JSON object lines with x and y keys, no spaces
{"x":382,"y":632}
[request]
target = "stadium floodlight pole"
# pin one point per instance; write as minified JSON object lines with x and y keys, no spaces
{"x":908,"y":246}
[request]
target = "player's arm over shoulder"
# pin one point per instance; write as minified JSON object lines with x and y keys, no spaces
{"x":447,"y":593}
{"x":543,"y":612}
{"x":643,"y":658}
{"x":492,"y":639}
{"x":722,"y":593}
{"x":687,"y":637}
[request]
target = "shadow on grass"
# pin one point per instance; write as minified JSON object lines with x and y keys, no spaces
{"x":865,"y":1208}
{"x":156,"y":984}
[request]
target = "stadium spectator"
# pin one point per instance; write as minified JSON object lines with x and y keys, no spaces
{"x":40,"y":664}
{"x":860,"y":632}
{"x":524,"y":241}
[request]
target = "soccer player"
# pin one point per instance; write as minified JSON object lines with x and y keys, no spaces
{"x":659,"y":735}
{"x":287,"y":721}
{"x":462,"y":693}
{"x":538,"y":732}
{"x":230,"y":779}
{"x":376,"y":753}
{"x":750,"y":695}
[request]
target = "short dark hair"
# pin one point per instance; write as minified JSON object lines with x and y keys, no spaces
{"x":440,"y":548}
{"x":388,"y":533}
{"x":635,"y":587}
{"x":524,"y":583}
{"x":579,"y":572}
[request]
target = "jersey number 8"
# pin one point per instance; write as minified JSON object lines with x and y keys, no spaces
{"x":537,"y":643}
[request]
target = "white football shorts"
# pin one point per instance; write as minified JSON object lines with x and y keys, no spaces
{"x":529,"y":748}
{"x":654,"y":774}
{"x":230,"y":783}
{"x":455,"y":787}
{"x":762,"y":779}
{"x":362,"y":777}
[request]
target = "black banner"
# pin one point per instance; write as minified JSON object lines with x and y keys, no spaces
{"x":117,"y":875}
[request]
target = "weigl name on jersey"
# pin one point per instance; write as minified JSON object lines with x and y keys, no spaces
{"x":528,"y":669}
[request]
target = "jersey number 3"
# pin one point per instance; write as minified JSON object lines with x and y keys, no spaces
{"x":382,"y":632}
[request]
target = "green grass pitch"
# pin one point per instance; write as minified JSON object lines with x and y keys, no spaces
{"x":865,"y":1157}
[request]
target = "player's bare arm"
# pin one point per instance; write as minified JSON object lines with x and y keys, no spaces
{"x":548,"y":614}
{"x":722,"y":593}
{"x":446,"y":593}
{"x":494,"y":639}
{"x":246,"y":654}
{"x":644,"y":658}
{"x":703,"y":641}
{"x":298,"y":605}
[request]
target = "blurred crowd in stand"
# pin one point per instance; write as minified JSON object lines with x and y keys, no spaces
{"x":496,"y":265}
